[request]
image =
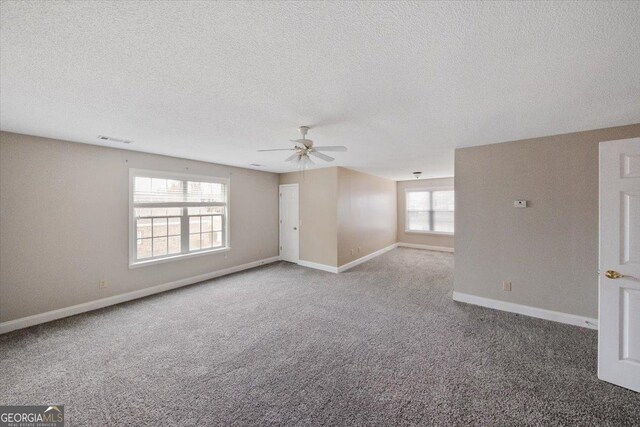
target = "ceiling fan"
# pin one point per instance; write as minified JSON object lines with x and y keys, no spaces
{"x":304,"y":148}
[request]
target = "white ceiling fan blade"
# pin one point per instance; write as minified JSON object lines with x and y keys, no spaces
{"x":292,"y":157}
{"x":279,"y":149}
{"x":331,"y":148}
{"x":322,"y":156}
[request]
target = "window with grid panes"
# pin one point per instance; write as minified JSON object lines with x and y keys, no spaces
{"x":176,"y":215}
{"x":430,"y":211}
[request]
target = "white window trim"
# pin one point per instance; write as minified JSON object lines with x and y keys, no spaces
{"x":406,"y":211}
{"x":177,"y":176}
{"x":437,"y":233}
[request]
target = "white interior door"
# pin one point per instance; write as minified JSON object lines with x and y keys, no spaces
{"x":619,"y":302}
{"x":289,"y":223}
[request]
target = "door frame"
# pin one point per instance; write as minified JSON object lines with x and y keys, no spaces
{"x":297,"y":187}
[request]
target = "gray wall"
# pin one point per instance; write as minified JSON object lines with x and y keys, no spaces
{"x":64,"y":209}
{"x":549,"y":251}
{"x":421,"y":238}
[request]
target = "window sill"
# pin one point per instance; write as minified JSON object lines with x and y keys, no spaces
{"x":178,"y":257}
{"x":436,"y":233}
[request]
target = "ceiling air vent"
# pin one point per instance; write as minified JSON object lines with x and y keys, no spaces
{"x":111,"y":139}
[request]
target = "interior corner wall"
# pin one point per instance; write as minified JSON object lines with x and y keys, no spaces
{"x":549,"y":250}
{"x":435,"y":240}
{"x":65,"y":223}
{"x":344,"y":214}
{"x":367,"y":214}
{"x":318,"y":191}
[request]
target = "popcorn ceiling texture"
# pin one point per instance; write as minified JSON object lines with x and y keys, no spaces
{"x":380,"y":345}
{"x":400,"y":83}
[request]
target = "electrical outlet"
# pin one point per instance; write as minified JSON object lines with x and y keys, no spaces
{"x":358,"y":249}
{"x":102,"y":284}
{"x":352,"y":251}
{"x":506,"y":286}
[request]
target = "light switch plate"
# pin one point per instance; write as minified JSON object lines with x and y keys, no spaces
{"x":519,"y":203}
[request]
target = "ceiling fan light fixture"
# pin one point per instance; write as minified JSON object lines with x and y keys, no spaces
{"x":304,"y":161}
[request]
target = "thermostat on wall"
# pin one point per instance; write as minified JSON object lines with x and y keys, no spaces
{"x":519,"y":203}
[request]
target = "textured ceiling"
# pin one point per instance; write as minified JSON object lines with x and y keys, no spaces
{"x":401,"y":84}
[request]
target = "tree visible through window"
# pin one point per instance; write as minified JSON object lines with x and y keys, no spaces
{"x":177,"y":215}
{"x":430,"y":211}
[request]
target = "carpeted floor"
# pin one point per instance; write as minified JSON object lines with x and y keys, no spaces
{"x":381,"y":344}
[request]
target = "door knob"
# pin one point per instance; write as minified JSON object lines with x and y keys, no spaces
{"x":612,"y":274}
{"x":295,"y":228}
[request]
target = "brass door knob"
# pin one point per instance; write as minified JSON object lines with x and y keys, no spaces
{"x":612,"y":274}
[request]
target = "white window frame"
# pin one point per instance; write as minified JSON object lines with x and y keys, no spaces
{"x":133,"y":173}
{"x":406,"y":210}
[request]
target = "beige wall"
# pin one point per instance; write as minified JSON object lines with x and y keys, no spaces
{"x":64,"y":209}
{"x":421,"y":238}
{"x":341,"y":210}
{"x":549,"y":251}
{"x":366,"y":214}
{"x":318,"y":192}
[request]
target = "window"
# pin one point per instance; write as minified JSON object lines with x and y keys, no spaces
{"x":176,"y":215}
{"x":430,"y":211}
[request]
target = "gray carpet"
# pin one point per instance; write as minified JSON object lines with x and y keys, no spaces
{"x":382,"y":344}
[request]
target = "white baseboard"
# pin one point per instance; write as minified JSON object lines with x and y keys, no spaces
{"x":427,"y":247}
{"x":347,"y":266}
{"x":37,"y":319}
{"x":366,"y":258}
{"x":540,"y":313}
{"x":318,"y":266}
